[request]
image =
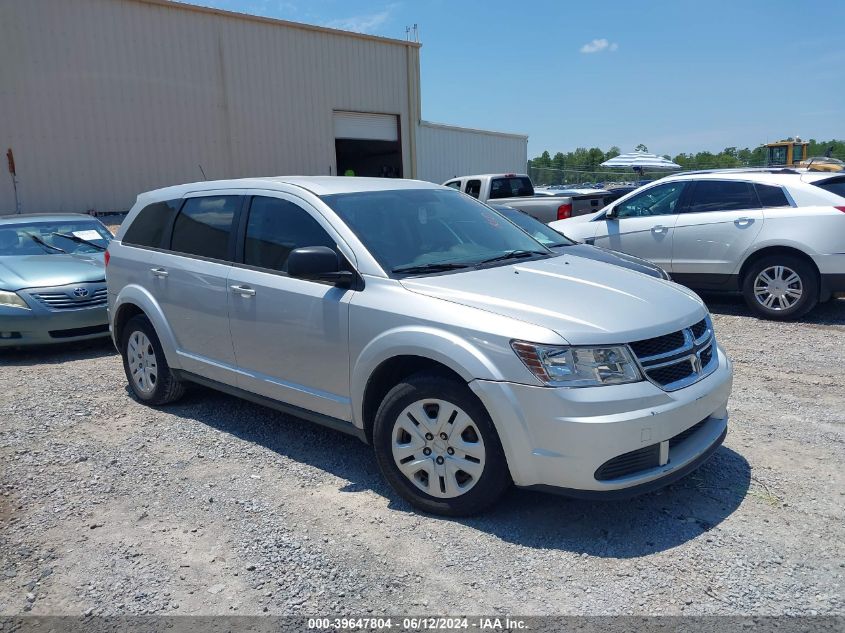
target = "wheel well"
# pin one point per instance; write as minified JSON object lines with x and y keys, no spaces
{"x":389,"y":374}
{"x":775,"y":250}
{"x":126,"y":312}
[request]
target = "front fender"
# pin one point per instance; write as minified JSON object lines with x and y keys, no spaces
{"x":138,"y":296}
{"x":455,"y":352}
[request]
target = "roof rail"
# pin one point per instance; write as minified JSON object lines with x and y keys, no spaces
{"x":740,"y":170}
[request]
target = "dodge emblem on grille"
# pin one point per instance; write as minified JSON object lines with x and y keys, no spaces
{"x":695,"y":360}
{"x":79,"y":293}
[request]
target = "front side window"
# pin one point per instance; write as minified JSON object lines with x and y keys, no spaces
{"x":771,"y":196}
{"x":455,"y":184}
{"x":511,"y":187}
{"x":149,"y":226}
{"x":204,"y":226}
{"x":424,"y":227}
{"x":274,"y":228}
{"x":474,"y":188}
{"x":722,"y":195}
{"x":658,"y":200}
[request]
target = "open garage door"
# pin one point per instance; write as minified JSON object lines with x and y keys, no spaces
{"x":367,"y":144}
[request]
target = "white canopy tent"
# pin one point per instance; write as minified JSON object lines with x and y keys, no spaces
{"x":638,"y":161}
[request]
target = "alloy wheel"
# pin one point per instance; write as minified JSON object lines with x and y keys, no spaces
{"x":778,"y":288}
{"x":438,"y":448}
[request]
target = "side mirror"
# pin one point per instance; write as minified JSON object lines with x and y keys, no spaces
{"x":610,"y":214}
{"x":318,"y":263}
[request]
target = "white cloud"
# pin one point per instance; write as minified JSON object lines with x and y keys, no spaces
{"x":360,"y":23}
{"x":599,"y":45}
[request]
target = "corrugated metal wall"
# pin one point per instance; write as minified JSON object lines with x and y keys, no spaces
{"x":445,"y":151}
{"x":103,"y":99}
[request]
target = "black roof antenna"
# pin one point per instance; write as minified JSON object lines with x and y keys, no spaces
{"x":202,"y":171}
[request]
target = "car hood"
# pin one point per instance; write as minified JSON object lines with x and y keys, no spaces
{"x":582,"y":300}
{"x":34,"y":271}
{"x":611,"y":257}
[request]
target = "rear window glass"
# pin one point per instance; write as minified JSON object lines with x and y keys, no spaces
{"x":722,"y":195}
{"x":204,"y":226}
{"x":150,"y":224}
{"x":771,"y":196}
{"x":834,"y":185}
{"x":510,"y":187}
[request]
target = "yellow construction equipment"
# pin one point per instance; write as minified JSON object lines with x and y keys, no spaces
{"x":793,"y":153}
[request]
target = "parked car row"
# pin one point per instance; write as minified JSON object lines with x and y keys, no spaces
{"x":472,"y":346}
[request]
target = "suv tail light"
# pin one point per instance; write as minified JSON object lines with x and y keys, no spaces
{"x":840,"y":209}
{"x":106,"y":257}
{"x":564,"y":211}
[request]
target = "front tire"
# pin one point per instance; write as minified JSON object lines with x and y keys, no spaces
{"x":781,"y":287}
{"x":436,"y":445}
{"x":150,"y":377}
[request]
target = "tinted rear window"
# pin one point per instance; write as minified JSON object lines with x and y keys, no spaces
{"x":511,"y":187}
{"x":771,"y":196}
{"x":722,"y":195}
{"x":833,"y":185}
{"x":204,"y":226}
{"x":151,"y":223}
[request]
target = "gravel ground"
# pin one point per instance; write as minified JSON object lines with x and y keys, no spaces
{"x":218,"y":506}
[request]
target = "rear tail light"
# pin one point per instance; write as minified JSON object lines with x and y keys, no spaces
{"x":106,"y":257}
{"x":564,"y":211}
{"x":840,"y":208}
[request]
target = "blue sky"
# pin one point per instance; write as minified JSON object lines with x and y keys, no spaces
{"x":678,"y":76}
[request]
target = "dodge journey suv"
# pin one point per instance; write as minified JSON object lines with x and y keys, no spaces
{"x":425,"y":323}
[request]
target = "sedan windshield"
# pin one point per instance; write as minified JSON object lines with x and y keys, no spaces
{"x":543,"y":233}
{"x":412,"y":231}
{"x":54,"y":237}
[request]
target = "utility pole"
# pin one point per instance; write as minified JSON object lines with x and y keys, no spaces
{"x":10,"y":158}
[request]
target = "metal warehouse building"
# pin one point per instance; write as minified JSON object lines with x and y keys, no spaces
{"x":102,"y":99}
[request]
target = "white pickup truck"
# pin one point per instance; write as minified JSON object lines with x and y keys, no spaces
{"x":517,"y":190}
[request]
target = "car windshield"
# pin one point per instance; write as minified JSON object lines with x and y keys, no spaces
{"x":416,"y":228}
{"x":543,"y":233}
{"x":41,"y":237}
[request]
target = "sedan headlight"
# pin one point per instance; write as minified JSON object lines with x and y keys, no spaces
{"x":11,"y":299}
{"x":559,"y":366}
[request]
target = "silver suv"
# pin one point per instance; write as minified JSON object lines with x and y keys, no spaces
{"x":776,"y":235}
{"x":425,"y":323}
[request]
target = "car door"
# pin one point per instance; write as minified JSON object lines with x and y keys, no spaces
{"x":643,"y":224}
{"x":189,"y":280}
{"x":290,"y":335}
{"x":714,"y":230}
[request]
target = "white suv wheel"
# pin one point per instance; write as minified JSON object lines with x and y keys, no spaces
{"x":778,"y":288}
{"x":438,"y":448}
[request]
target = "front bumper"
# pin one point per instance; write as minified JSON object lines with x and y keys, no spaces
{"x":558,"y":437}
{"x":39,"y":326}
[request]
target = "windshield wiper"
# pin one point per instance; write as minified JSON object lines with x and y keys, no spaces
{"x":512,"y":255}
{"x":79,"y":240}
{"x":435,"y":267}
{"x":38,"y":240}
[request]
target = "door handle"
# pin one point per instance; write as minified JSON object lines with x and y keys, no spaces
{"x":744,"y":221}
{"x":159,"y":272}
{"x":244,"y":291}
{"x":659,"y":229}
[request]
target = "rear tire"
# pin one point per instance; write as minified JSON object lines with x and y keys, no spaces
{"x":436,"y":445}
{"x":150,"y":377}
{"x":781,"y":287}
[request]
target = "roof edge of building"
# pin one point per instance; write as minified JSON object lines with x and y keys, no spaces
{"x":185,"y":6}
{"x":457,"y":128}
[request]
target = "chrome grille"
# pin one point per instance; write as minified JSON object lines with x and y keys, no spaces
{"x":71,"y":297}
{"x":678,"y":359}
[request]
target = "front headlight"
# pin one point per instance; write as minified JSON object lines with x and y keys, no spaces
{"x":559,"y":366}
{"x":11,"y":299}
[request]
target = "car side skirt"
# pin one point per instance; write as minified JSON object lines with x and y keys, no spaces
{"x":311,"y":416}
{"x":707,"y":281}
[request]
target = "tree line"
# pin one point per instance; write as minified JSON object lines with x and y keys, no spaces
{"x":583,"y":165}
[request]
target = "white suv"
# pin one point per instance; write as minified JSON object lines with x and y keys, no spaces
{"x":776,"y":235}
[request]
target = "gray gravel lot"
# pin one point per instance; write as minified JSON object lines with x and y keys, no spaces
{"x":218,"y":506}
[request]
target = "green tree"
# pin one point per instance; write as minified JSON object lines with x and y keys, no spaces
{"x":641,"y":148}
